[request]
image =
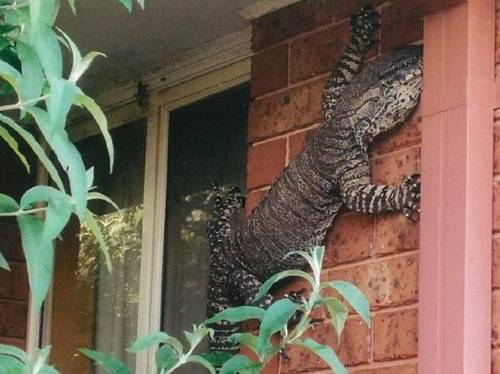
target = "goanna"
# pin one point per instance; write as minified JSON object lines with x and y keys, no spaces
{"x":333,"y":171}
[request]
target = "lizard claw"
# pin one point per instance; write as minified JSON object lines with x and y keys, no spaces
{"x":364,"y":25}
{"x":411,"y":197}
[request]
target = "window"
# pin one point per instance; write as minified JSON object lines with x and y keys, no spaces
{"x":92,"y":307}
{"x":207,"y":144}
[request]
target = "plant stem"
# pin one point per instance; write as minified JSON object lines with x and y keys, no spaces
{"x":14,"y":6}
{"x":20,"y":105}
{"x":23,"y":212}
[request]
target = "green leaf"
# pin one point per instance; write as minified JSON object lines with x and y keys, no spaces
{"x":247,"y":339}
{"x":8,"y":205}
{"x":10,"y":350}
{"x":39,"y":256}
{"x":166,"y":357}
{"x":326,"y":353}
{"x":127,"y":4}
{"x":201,"y":361}
{"x":84,"y":65}
{"x":274,"y":320}
{"x":154,"y":339}
{"x":101,"y":121}
{"x":267,"y":285}
{"x":3,"y":263}
{"x":41,"y":14}
{"x":32,"y":80}
{"x":217,"y":358}
{"x":69,"y":158}
{"x":90,"y":177}
{"x":37,"y":149}
{"x":240,"y":364}
{"x":338,"y":313}
{"x":91,"y":223}
{"x":100,"y":196}
{"x":12,"y":143}
{"x":49,"y":52}
{"x":194,"y":338}
{"x":10,"y":365}
{"x":58,"y":211}
{"x":10,"y":74}
{"x":238,"y":314}
{"x":141,"y":3}
{"x":110,"y":364}
{"x":353,"y":296}
{"x":61,"y":97}
{"x":42,"y":356}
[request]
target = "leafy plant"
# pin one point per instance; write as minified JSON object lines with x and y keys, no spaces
{"x":274,"y":320}
{"x":31,"y":69}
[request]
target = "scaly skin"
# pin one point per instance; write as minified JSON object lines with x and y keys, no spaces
{"x":332,"y":171}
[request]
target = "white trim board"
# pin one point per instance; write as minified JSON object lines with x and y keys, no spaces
{"x":263,"y":7}
{"x":212,"y":56}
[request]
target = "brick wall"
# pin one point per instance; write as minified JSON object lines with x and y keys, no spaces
{"x":495,"y":333}
{"x":14,"y":290}
{"x":294,"y":50}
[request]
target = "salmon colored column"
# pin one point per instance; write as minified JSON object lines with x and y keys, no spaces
{"x":457,"y":143}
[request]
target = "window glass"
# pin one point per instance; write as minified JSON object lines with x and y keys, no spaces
{"x":207,"y":144}
{"x":93,"y":307}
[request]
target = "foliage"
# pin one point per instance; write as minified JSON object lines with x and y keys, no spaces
{"x":32,"y":78}
{"x":274,"y":320}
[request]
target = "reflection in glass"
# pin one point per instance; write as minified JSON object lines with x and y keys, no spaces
{"x":207,"y":144}
{"x":92,"y":307}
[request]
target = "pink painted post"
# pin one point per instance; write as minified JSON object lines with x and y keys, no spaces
{"x":457,"y":143}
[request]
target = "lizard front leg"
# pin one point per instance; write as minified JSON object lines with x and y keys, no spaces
{"x":364,"y":25}
{"x":360,"y":195}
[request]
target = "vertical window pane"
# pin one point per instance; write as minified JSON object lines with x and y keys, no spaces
{"x":92,"y":307}
{"x":207,"y":144}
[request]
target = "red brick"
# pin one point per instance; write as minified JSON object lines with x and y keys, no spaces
{"x":316,"y":53}
{"x":395,"y":335}
{"x":286,"y":111}
{"x":496,"y":263}
{"x":18,"y":342}
{"x":346,"y":8}
{"x":354,"y":347}
{"x":297,"y":142}
{"x":290,"y":21}
{"x":399,"y":369}
{"x":350,"y":239}
{"x":392,"y":168}
{"x":265,"y":162}
{"x":395,"y":233}
{"x":253,"y":200}
{"x":407,"y":135}
{"x":496,"y":154}
{"x":496,"y":206}
{"x":495,"y":319}
{"x":14,"y":283}
{"x":269,"y":70}
{"x":13,"y":319}
{"x":402,"y":23}
{"x":271,"y":368}
{"x":495,"y":362}
{"x":392,"y":282}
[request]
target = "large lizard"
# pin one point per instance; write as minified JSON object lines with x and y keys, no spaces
{"x":333,"y":171}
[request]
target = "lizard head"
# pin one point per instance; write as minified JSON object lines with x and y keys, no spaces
{"x":397,"y":77}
